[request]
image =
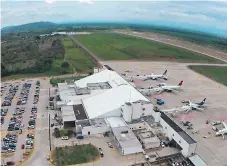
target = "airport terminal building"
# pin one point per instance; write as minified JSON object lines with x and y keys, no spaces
{"x":105,"y":102}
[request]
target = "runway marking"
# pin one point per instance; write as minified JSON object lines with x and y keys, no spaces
{"x":141,"y":68}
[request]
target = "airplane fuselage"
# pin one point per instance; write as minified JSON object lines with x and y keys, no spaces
{"x":169,"y":88}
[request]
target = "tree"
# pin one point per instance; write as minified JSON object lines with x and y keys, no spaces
{"x":65,"y":64}
{"x":57,"y":133}
{"x":69,"y":133}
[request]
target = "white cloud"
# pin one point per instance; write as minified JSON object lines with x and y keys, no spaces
{"x":197,"y":13}
{"x":86,"y":1}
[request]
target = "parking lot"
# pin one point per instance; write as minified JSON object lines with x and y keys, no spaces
{"x":195,"y":87}
{"x":17,"y":131}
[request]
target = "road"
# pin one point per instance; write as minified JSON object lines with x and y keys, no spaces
{"x":199,"y":49}
{"x":41,"y":148}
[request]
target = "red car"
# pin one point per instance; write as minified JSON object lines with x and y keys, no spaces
{"x":22,"y":146}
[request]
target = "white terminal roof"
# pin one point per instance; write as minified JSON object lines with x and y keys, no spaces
{"x":104,"y":76}
{"x":111,"y":99}
{"x":127,"y":138}
{"x":101,"y":101}
{"x":68,"y":113}
{"x":116,"y":122}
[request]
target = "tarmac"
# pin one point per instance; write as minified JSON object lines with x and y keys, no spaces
{"x":195,"y":87}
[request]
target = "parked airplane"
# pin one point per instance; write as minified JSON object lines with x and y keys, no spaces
{"x":186,"y":108}
{"x":223,"y":131}
{"x":170,"y":88}
{"x":200,"y":104}
{"x":153,"y":76}
{"x":161,"y":88}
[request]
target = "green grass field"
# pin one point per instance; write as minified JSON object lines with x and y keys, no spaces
{"x":77,"y":154}
{"x":216,"y":73}
{"x":111,"y":46}
{"x":77,"y":58}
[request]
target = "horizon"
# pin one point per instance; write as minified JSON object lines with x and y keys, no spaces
{"x":211,"y":18}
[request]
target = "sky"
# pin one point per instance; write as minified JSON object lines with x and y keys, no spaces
{"x":205,"y":16}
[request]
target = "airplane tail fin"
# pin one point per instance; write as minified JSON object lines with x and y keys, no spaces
{"x":180,"y":83}
{"x":164,"y":73}
{"x":202,"y":102}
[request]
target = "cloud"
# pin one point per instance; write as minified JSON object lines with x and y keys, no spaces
{"x":86,"y":2}
{"x":199,"y":14}
{"x":49,"y":1}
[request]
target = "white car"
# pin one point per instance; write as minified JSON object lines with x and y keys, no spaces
{"x":64,"y":138}
{"x":28,"y":147}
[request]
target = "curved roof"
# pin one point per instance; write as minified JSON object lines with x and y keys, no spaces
{"x":111,"y":99}
{"x":104,"y":76}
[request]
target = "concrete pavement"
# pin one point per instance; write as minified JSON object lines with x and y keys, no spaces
{"x":41,"y":148}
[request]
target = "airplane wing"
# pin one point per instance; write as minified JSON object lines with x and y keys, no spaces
{"x":159,"y":90}
{"x":198,"y":109}
{"x":170,"y":110}
{"x":187,"y":111}
{"x":225,"y":125}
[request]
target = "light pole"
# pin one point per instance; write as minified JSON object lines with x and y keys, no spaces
{"x":49,"y":132}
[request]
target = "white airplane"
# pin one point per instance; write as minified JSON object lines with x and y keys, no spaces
{"x":155,"y":77}
{"x":152,"y":76}
{"x":170,"y":88}
{"x":161,"y":88}
{"x":200,"y":104}
{"x":223,"y":131}
{"x":187,"y":108}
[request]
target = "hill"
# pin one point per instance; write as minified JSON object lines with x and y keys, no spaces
{"x":36,"y":26}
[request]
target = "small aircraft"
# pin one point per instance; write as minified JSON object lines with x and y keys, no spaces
{"x":222,"y":131}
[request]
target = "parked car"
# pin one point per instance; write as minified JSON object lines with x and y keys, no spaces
{"x":110,"y":145}
{"x":101,"y":152}
{"x":64,"y":138}
{"x":160,"y":101}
